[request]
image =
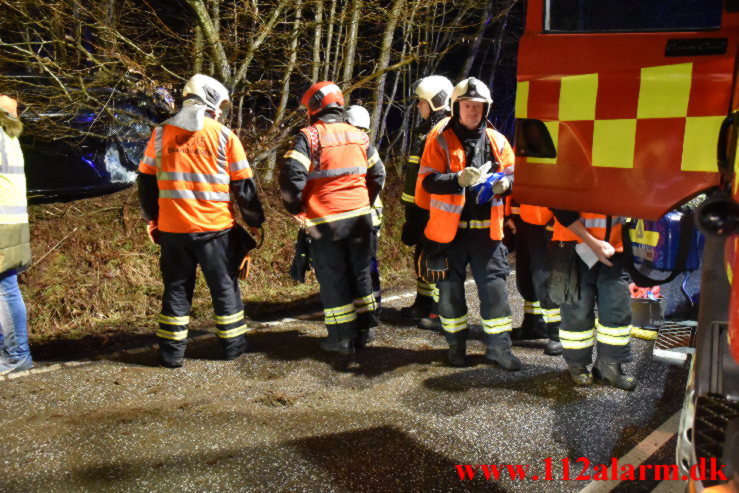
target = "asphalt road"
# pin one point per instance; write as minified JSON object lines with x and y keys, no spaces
{"x":287,"y":417}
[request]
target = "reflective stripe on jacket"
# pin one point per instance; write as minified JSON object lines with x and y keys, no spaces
{"x":444,"y":153}
{"x":194,"y":170}
{"x":596,"y":225}
{"x":336,"y":187}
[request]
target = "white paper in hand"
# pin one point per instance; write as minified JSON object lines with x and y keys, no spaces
{"x":586,"y":254}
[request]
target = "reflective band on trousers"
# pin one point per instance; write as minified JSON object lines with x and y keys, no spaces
{"x":332,"y":173}
{"x":497,"y":325}
{"x":414,"y":159}
{"x":366,"y":304}
{"x":454,"y":324}
{"x":576,"y":340}
{"x":532,"y":307}
{"x":174,"y":335}
{"x":230,"y":333}
{"x":169,"y":320}
{"x":615,"y":336}
{"x":340,"y":314}
{"x":424,"y":288}
{"x":551,"y":316}
{"x":229,"y":319}
{"x":194,"y":194}
{"x":646,"y":334}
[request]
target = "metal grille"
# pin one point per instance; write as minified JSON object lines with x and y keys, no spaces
{"x":712,"y":416}
{"x":675,"y":341}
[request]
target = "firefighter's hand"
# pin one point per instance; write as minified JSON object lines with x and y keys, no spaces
{"x":603,"y":250}
{"x":152,"y":229}
{"x":432,"y":268}
{"x":244,"y":267}
{"x":468,"y":176}
{"x":501,"y":186}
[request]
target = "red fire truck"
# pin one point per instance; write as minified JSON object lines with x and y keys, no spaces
{"x":629,"y":108}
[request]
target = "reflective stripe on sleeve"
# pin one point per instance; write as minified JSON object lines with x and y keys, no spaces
{"x":373,"y":160}
{"x":299,"y":157}
{"x":238,"y":166}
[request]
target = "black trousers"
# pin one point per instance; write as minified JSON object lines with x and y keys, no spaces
{"x":488,"y":261}
{"x":215,"y":253}
{"x":532,"y":275}
{"x":343,"y":271}
{"x":609,"y":288}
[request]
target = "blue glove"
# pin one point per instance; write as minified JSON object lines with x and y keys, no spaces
{"x":485,"y":189}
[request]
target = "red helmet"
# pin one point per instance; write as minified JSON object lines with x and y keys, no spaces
{"x":322,"y":95}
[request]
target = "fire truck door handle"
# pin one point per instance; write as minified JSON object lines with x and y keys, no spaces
{"x":722,"y":152}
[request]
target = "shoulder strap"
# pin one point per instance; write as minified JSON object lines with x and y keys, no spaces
{"x":314,"y":142}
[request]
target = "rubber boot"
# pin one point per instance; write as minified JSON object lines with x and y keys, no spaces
{"x":580,"y":375}
{"x":457,"y":347}
{"x":499,"y":351}
{"x":553,"y":347}
{"x":532,"y":327}
{"x":364,"y":337}
{"x":233,"y":347}
{"x":614,"y":375}
{"x":340,"y":339}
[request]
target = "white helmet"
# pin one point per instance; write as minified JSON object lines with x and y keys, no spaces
{"x":209,"y":91}
{"x":434,"y":89}
{"x":357,"y":116}
{"x":471,"y":90}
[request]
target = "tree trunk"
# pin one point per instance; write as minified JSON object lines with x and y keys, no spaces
{"x":487,"y":12}
{"x":197,"y":66}
{"x":351,"y":46}
{"x":317,"y":32}
{"x":212,"y":39}
{"x":329,"y":39}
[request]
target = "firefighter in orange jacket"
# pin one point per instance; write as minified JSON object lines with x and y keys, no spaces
{"x":460,"y":231}
{"x":540,"y":316}
{"x":606,"y":283}
{"x":433,"y":93}
{"x":332,"y":175}
{"x":190,"y":168}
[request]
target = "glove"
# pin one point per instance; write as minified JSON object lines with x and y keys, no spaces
{"x":501,"y":186}
{"x":244,"y":267}
{"x":432,"y":268}
{"x":258,"y":232}
{"x":152,"y":229}
{"x":468,"y":176}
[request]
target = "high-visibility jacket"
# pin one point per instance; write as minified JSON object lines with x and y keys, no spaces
{"x":15,"y":246}
{"x":336,"y":187}
{"x":193,"y":171}
{"x":444,"y":153}
{"x":596,"y":224}
{"x":534,"y":214}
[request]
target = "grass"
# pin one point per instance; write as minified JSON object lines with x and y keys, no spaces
{"x":95,"y":282}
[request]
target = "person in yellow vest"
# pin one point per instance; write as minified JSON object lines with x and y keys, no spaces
{"x":433,"y":94}
{"x":190,"y":168}
{"x":15,"y":242}
{"x":332,"y":174}
{"x":592,"y":243}
{"x":540,"y":316}
{"x":461,"y":232}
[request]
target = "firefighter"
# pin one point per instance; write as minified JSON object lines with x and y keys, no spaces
{"x":332,"y":174}
{"x":461,"y":232}
{"x":191,"y":166}
{"x":359,"y":117}
{"x":578,"y":287}
{"x":433,"y":93}
{"x":532,"y":226}
{"x":15,"y":246}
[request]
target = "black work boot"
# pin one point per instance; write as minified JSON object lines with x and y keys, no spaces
{"x":553,"y":347}
{"x":504,"y":357}
{"x":364,"y":337}
{"x":233,"y":347}
{"x":171,"y":353}
{"x":532,"y":327}
{"x":614,"y":375}
{"x":340,"y":340}
{"x":457,"y":347}
{"x":580,"y":375}
{"x":420,"y":308}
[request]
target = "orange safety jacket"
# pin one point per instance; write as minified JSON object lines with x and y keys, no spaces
{"x":194,"y":170}
{"x":336,"y":186}
{"x":534,"y":214}
{"x":596,"y":225}
{"x":444,"y":153}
